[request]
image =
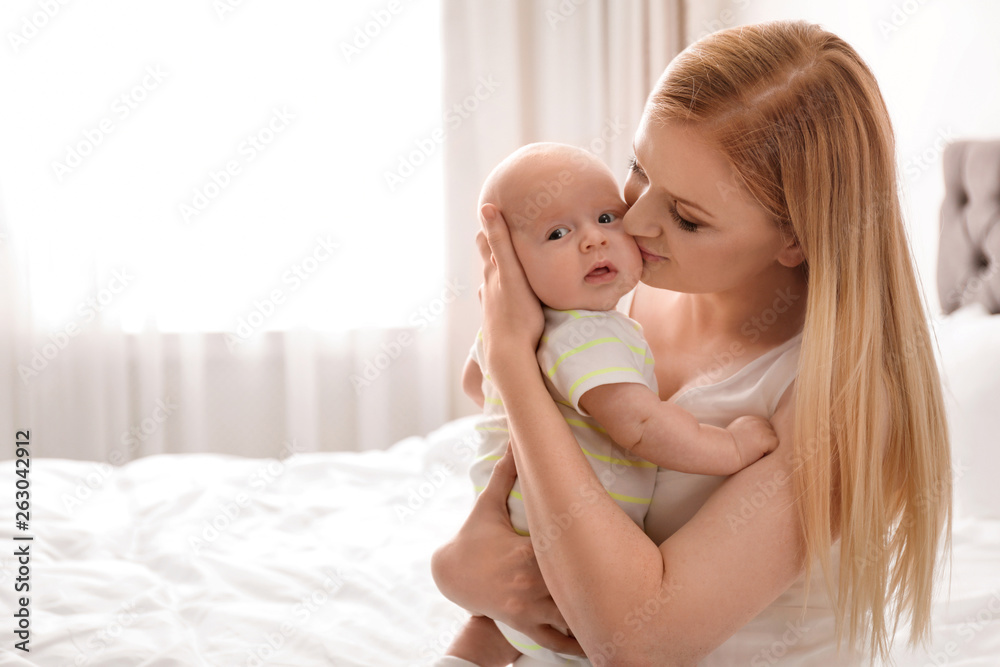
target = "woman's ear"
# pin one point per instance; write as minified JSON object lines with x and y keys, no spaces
{"x":791,"y":254}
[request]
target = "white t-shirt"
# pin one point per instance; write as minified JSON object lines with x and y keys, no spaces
{"x":781,"y":634}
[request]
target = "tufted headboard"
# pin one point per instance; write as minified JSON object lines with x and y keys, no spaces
{"x":969,"y":253}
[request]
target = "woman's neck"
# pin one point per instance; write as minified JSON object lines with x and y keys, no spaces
{"x":765,"y":312}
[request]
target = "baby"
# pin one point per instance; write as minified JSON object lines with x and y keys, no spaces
{"x":564,"y":211}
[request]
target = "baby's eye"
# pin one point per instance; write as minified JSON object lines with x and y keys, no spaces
{"x":606,"y":218}
{"x":558,"y":234}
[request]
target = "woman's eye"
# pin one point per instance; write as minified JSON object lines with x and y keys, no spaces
{"x":633,"y":164}
{"x":606,"y":218}
{"x":683,"y":223}
{"x":557,"y":234}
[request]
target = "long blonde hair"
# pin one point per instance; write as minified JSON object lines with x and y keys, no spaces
{"x":802,"y":121}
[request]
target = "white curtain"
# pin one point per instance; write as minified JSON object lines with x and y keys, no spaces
{"x":518,"y":71}
{"x":220,"y":227}
{"x":138,"y":238}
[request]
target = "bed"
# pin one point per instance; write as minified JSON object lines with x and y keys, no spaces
{"x":316,"y":559}
{"x":323,"y":559}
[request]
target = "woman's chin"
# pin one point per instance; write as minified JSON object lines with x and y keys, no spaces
{"x":654,"y":277}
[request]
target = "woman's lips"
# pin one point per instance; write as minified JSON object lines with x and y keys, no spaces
{"x":650,"y":257}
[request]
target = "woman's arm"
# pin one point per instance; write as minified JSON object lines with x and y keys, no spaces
{"x":625,"y":598}
{"x":674,"y":604}
{"x":490,"y":570}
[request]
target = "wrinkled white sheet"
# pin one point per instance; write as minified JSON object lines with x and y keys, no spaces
{"x":318,"y":559}
{"x":966,"y":618}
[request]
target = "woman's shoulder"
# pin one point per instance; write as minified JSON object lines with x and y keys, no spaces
{"x":754,"y":389}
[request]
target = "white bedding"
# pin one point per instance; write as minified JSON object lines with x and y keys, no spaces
{"x":966,"y":622}
{"x":325,"y":563}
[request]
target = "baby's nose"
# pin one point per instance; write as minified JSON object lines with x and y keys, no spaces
{"x":594,"y":237}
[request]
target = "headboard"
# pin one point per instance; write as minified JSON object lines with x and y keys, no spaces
{"x":968,"y":350}
{"x":969,"y":253}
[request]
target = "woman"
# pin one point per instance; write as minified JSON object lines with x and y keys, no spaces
{"x":763,"y":197}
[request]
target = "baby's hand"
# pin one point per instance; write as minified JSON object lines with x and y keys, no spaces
{"x":754,"y":437}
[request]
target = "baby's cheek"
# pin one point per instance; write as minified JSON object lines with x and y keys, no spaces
{"x":537,"y":274}
{"x":633,"y":252}
{"x":635,"y":266}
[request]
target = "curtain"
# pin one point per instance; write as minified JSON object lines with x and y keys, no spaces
{"x":219,"y":231}
{"x":519,"y":71}
{"x":101,"y":360}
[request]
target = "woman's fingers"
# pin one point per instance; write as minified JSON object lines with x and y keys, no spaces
{"x":511,"y":311}
{"x":550,"y":638}
{"x":495,"y":229}
{"x":504,"y":474}
{"x":484,"y":249}
{"x":542,"y":621}
{"x":498,"y":240}
{"x":551,"y":616}
{"x":494,"y":496}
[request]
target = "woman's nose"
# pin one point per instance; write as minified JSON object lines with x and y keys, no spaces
{"x":633,"y":224}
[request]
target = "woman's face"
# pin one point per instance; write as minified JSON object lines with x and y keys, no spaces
{"x":698,"y":229}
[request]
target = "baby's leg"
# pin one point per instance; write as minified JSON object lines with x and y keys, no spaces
{"x":481,"y":642}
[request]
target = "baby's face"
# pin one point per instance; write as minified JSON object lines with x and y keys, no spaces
{"x":566,"y":227}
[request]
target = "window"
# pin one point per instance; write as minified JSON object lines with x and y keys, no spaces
{"x":225,"y":165}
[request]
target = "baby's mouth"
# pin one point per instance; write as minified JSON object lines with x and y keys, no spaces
{"x":603,"y":272}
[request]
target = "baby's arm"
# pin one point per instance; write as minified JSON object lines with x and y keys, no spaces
{"x":669,"y":436}
{"x":472,"y":382}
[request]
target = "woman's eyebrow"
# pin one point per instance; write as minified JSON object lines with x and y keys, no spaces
{"x":634,"y":165}
{"x":690,"y":204}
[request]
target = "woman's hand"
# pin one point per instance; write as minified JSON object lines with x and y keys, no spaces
{"x":512,"y":314}
{"x":490,"y":570}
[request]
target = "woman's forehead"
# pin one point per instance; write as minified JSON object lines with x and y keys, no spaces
{"x":680,"y":160}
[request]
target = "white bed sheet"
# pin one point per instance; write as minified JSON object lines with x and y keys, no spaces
{"x":325,"y":563}
{"x":966,"y":618}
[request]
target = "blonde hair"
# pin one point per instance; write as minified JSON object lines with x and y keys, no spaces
{"x":802,"y":121}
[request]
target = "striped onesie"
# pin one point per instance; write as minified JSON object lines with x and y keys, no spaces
{"x":579,"y":350}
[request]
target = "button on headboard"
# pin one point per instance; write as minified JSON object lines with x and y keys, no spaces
{"x":969,"y":254}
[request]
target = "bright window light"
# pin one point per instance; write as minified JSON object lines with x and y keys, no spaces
{"x":204,"y":165}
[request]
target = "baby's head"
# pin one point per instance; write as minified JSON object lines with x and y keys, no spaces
{"x":564,"y":211}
